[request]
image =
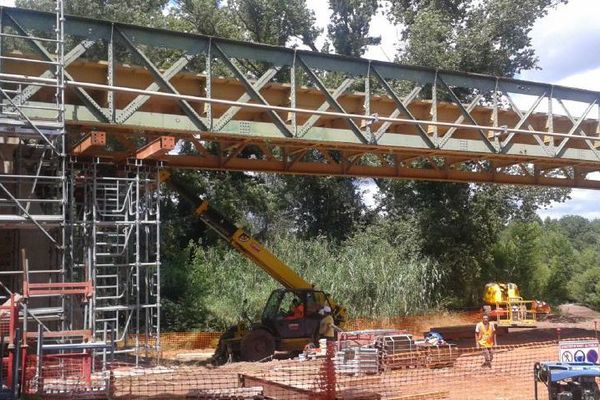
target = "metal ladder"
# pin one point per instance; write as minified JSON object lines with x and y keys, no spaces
{"x":122,"y":257}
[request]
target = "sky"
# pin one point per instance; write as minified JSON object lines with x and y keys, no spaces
{"x":566,"y":42}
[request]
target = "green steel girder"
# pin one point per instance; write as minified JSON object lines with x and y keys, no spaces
{"x":179,"y":124}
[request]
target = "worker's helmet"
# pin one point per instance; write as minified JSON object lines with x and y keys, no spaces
{"x":325,"y":310}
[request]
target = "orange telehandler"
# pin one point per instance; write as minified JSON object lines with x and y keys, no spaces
{"x":277,"y":329}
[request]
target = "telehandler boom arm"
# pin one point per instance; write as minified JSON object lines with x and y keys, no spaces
{"x":249,"y":247}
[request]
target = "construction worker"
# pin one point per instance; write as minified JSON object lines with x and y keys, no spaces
{"x":326,"y":327}
{"x":296,"y":310}
{"x":485,"y":338}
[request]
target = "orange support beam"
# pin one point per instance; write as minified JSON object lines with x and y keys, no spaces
{"x":157,"y":147}
{"x":92,"y":141}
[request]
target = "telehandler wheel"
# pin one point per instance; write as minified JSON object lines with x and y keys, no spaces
{"x":257,"y":345}
{"x":221,"y":355}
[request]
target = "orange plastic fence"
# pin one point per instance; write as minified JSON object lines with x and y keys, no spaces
{"x":66,"y":376}
{"x":183,"y":340}
{"x":456,"y":375}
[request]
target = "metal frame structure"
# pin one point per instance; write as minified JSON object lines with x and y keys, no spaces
{"x":33,"y":185}
{"x":117,"y":244}
{"x":302,"y":112}
{"x":81,"y":238}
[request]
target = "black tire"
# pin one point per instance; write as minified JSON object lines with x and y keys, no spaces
{"x":257,"y":346}
{"x":221,"y":355}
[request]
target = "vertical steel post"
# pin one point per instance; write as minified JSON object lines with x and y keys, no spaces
{"x":158,"y":197}
{"x":39,"y":354}
{"x":367,"y":105}
{"x":137,"y":265}
{"x":17,"y":362}
{"x":208,"y":85}
{"x":105,"y":333}
{"x":433,"y":129}
{"x":293,"y":95}
{"x":111,"y":73}
{"x":2,"y":360}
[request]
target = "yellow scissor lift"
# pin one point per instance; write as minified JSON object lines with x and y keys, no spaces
{"x":515,"y":312}
{"x":510,"y":308}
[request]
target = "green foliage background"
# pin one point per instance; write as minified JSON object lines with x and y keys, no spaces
{"x":425,"y":245}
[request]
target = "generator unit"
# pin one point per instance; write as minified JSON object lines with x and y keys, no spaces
{"x":567,"y":381}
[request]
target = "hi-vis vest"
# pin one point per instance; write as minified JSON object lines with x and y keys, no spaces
{"x":486,"y":335}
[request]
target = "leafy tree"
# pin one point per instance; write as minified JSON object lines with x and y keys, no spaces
{"x":143,"y":12}
{"x":208,"y":17}
{"x":560,"y":258}
{"x":467,"y":35}
{"x":579,"y":231}
{"x":318,"y":206}
{"x":348,"y":29}
{"x":275,"y":22}
{"x":518,"y":258}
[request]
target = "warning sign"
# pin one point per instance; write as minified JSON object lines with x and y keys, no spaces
{"x":578,"y":351}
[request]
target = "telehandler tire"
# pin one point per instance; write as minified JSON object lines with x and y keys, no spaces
{"x":257,"y":345}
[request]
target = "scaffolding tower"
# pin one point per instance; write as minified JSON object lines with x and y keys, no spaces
{"x":80,"y":238}
{"x":117,"y":244}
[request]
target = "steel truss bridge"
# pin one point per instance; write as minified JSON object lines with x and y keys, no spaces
{"x":90,"y":110}
{"x":300,"y":112}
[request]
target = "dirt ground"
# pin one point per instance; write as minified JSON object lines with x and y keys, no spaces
{"x":510,"y":378}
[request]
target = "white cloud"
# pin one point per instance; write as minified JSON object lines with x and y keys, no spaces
{"x":589,"y":79}
{"x":583,"y":202}
{"x":566,"y":40}
{"x":7,"y":3}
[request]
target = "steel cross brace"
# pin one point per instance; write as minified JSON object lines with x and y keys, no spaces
{"x":166,"y":85}
{"x":401,"y":107}
{"x":232,"y":111}
{"x":70,"y":57}
{"x":29,"y":121}
{"x":29,"y":216}
{"x":467,"y":115}
{"x":576,"y":128}
{"x":312,"y":120}
{"x":333,"y":102}
{"x":140,"y":100}
{"x":460,"y":120}
{"x":251,"y":91}
{"x":523,"y":119}
{"x":85,"y":97}
{"x":515,"y":108}
{"x":406,"y":102}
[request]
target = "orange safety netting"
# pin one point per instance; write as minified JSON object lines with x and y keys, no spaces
{"x":66,"y":376}
{"x":179,"y":340}
{"x":434,"y":373}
